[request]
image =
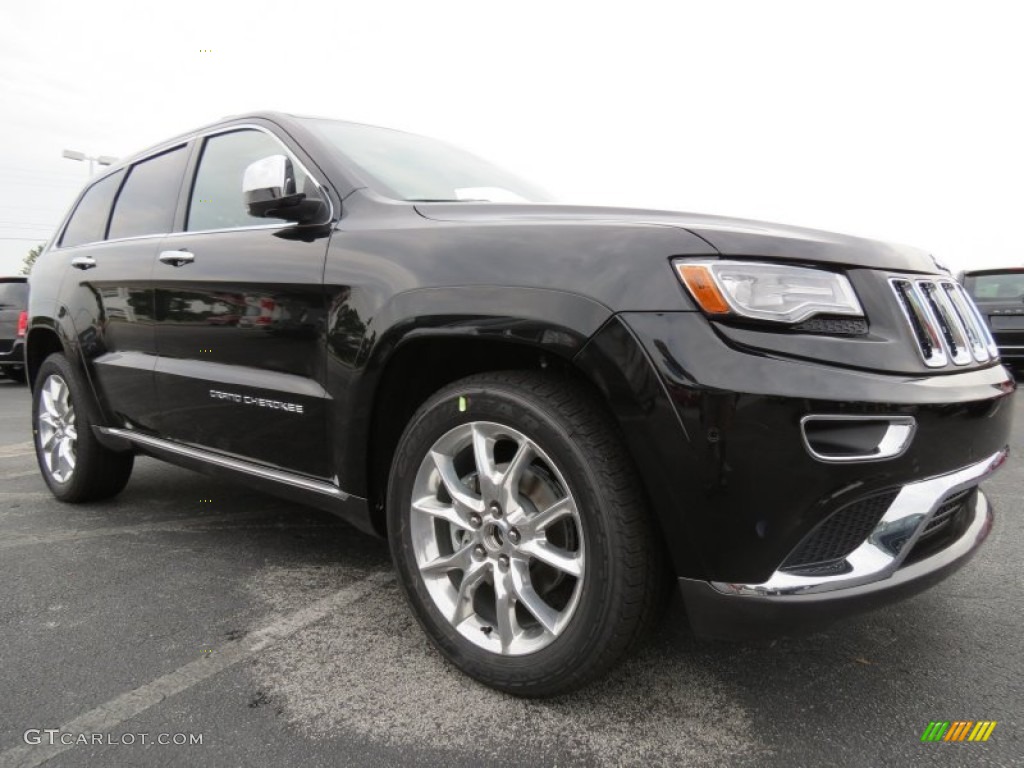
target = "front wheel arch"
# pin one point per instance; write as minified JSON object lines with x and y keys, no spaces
{"x":624,"y":565}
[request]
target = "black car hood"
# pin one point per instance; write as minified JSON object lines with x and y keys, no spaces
{"x":730,"y":237}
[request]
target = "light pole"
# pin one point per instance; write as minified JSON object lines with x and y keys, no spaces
{"x":71,"y":154}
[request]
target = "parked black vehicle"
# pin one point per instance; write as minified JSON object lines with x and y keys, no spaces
{"x":13,"y":325}
{"x":999,"y":294}
{"x":545,"y":409}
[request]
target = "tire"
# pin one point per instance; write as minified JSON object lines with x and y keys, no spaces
{"x":554,"y":599}
{"x":73,"y":463}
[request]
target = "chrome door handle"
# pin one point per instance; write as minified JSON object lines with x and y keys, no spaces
{"x":83,"y":262}
{"x":177,"y":258}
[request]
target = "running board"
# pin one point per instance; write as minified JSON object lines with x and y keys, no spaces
{"x":236,"y":465}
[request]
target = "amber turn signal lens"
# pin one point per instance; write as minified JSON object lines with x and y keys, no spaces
{"x":697,"y":277}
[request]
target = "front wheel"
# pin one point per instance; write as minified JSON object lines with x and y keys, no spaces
{"x":520,"y":533}
{"x":73,"y":463}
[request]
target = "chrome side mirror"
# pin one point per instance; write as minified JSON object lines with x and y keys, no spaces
{"x":268,"y":184}
{"x":268,"y":188}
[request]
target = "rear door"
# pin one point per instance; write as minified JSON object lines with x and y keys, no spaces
{"x":240,"y":319}
{"x":110,"y":245}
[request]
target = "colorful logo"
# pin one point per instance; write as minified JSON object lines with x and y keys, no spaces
{"x":958,"y":730}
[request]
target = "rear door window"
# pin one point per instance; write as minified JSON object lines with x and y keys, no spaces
{"x":89,"y":221}
{"x":149,"y":196}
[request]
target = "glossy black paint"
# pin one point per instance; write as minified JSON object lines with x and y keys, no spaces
{"x":751,"y":491}
{"x":323,"y":317}
{"x":241,"y":323}
{"x":728,"y":236}
{"x":714,"y":614}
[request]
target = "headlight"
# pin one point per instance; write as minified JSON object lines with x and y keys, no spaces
{"x":767,"y":291}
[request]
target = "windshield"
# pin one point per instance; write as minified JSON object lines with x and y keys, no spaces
{"x":998,"y":287}
{"x":411,"y":167}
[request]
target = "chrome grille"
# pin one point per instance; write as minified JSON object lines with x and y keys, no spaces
{"x":946,"y":324}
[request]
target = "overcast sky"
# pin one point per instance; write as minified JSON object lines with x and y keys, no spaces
{"x":901,"y":121}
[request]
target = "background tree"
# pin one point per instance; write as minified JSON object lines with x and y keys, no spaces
{"x":30,"y":258}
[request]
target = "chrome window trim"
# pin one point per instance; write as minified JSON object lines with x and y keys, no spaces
{"x":894,"y":442}
{"x":221,"y":130}
{"x":876,"y":559}
{"x":164,"y":148}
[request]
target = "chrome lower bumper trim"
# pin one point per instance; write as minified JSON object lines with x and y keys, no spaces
{"x":238,"y":465}
{"x":891,"y":541}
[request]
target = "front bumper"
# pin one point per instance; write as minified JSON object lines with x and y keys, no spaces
{"x":881,"y":570}
{"x":741,"y":488}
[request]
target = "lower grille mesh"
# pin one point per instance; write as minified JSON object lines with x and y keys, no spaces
{"x":839,"y":534}
{"x":947,"y":513}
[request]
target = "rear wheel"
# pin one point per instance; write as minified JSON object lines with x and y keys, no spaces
{"x":74,"y":464}
{"x":520,"y":534}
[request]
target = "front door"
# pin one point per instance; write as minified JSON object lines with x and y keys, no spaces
{"x":239,"y":310}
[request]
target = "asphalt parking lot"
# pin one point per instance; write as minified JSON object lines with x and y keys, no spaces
{"x":186,"y":606}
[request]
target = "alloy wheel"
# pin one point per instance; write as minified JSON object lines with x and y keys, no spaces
{"x":58,"y":432}
{"x":497,"y":538}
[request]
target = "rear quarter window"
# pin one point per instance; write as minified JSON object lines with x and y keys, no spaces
{"x":88,"y":223}
{"x":146,"y":203}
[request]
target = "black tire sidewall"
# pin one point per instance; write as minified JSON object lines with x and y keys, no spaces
{"x":567,"y":655}
{"x":88,"y":476}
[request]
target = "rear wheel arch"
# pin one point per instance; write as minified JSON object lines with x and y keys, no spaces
{"x":40,"y":343}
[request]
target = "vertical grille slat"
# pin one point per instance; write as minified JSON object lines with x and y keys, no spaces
{"x":945,"y":323}
{"x":929,"y":342}
{"x":975,"y":334}
{"x":949,"y":323}
{"x":971,"y":309}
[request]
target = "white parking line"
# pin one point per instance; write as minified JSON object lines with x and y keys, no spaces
{"x":11,"y":540}
{"x":14,"y":475}
{"x":16,"y":449}
{"x":106,"y":717}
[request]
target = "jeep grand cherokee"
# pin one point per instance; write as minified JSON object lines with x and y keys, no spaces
{"x":546,"y":409}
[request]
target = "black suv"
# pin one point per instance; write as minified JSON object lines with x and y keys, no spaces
{"x":546,"y":409}
{"x":999,"y":294}
{"x":13,"y":325}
